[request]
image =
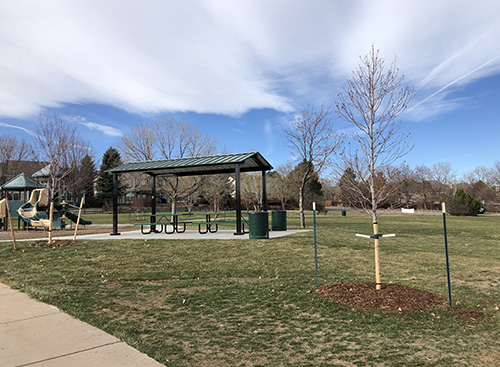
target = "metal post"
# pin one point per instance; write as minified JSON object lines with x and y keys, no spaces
{"x":153,"y":202}
{"x":264,"y":192}
{"x":315,"y":244}
{"x":446,"y":251}
{"x":115,"y":205}
{"x":238,"y":200}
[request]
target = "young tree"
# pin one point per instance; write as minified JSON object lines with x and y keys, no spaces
{"x":110,"y":159}
{"x":311,"y":138}
{"x":372,"y":101}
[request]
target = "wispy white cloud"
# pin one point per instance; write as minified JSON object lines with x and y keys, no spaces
{"x":107,"y":130}
{"x":27,"y":131}
{"x":228,"y":57}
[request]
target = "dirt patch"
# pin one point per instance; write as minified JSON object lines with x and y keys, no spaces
{"x":390,"y":298}
{"x":54,"y":244}
{"x":469,"y":314}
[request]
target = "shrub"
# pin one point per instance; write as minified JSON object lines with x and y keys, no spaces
{"x":461,"y":203}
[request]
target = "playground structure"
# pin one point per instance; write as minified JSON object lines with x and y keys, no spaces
{"x":35,"y":212}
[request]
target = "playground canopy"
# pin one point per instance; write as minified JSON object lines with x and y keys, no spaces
{"x":228,"y":163}
{"x":20,"y":182}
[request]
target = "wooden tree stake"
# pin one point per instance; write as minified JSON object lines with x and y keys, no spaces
{"x":79,"y":215}
{"x":51,"y":213}
{"x":10,"y":222}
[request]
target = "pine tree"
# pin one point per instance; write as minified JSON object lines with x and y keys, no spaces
{"x":88,"y":172}
{"x":110,"y":159}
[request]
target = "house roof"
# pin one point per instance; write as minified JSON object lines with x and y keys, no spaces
{"x":44,"y":172}
{"x":227,"y":163}
{"x":20,"y":182}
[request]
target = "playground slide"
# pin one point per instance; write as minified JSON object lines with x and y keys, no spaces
{"x":74,"y":219}
{"x":29,"y":210}
{"x":39,"y":198}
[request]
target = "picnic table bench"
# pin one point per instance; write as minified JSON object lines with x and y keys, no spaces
{"x":216,"y":218}
{"x":164,"y":220}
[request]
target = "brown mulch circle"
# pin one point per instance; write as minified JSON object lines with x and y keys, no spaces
{"x":54,"y":244}
{"x":402,"y":299}
{"x":390,"y":298}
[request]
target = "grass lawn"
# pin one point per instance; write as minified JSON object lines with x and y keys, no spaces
{"x":252,"y":303}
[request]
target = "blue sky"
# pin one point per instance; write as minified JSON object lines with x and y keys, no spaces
{"x":239,"y":69}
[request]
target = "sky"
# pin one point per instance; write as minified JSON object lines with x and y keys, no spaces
{"x":240,"y":69}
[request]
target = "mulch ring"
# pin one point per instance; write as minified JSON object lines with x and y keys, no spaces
{"x":54,"y":244}
{"x":362,"y":295}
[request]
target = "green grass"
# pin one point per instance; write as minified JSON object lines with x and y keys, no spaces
{"x":252,"y":303}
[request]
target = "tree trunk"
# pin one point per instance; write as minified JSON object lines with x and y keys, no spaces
{"x":301,"y":208}
{"x":174,"y":205}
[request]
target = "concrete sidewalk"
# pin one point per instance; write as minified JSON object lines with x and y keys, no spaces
{"x":188,"y":235}
{"x":33,"y":333}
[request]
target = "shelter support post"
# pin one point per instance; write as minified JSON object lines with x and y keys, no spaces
{"x":115,"y":206}
{"x":264,"y":192}
{"x":153,"y":201}
{"x":238,"y":200}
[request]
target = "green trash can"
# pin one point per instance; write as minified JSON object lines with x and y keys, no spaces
{"x":258,"y":223}
{"x":343,"y":213}
{"x":278,"y":220}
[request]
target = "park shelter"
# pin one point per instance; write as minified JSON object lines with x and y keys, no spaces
{"x":22,"y":183}
{"x":212,"y":165}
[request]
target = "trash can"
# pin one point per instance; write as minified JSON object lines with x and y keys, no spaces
{"x":258,"y":223}
{"x":278,"y":220}
{"x":343,"y":213}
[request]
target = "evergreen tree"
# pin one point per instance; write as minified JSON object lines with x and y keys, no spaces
{"x":88,"y":172}
{"x":110,"y":159}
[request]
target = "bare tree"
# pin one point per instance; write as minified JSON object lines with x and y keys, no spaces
{"x":280,"y":185}
{"x":251,"y":189}
{"x":61,"y":147}
{"x":168,"y":139}
{"x":215,"y":188}
{"x":372,"y":101}
{"x":311,"y":139}
{"x":12,"y":152}
{"x":423,"y":180}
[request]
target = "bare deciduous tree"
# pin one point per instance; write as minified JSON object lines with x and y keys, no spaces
{"x":311,"y":138}
{"x":12,"y":151}
{"x":61,"y":147}
{"x":372,"y":101}
{"x":168,"y":139}
{"x":280,"y":185}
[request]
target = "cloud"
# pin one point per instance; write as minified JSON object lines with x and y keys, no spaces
{"x":29,"y":132}
{"x":228,"y":57}
{"x":107,"y":130}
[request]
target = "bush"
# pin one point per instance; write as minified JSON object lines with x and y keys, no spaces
{"x":462,"y":204}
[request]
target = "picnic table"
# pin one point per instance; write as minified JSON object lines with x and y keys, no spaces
{"x":164,"y":220}
{"x":213,"y":219}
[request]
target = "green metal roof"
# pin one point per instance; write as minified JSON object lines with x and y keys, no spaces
{"x":198,"y":166}
{"x":20,"y":182}
{"x":44,"y":172}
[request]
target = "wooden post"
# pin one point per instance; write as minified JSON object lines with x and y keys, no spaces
{"x":10,"y":222}
{"x":377,"y":256}
{"x":79,"y":216}
{"x":51,"y":213}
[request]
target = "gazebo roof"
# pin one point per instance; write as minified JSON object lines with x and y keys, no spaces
{"x":248,"y":162}
{"x":20,"y":182}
